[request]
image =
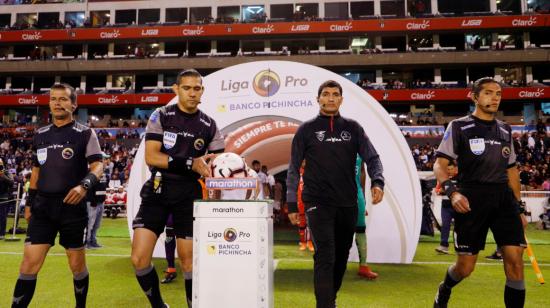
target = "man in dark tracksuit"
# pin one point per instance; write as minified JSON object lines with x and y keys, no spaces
{"x":489,"y":193}
{"x":330,"y":143}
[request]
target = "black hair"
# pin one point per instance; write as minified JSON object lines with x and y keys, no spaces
{"x":64,"y":86}
{"x":254,"y":162}
{"x":478,"y":85}
{"x":188,"y":73}
{"x":329,"y":84}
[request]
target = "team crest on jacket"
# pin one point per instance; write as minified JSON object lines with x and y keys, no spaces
{"x":169,"y":140}
{"x":346,"y":136}
{"x":199,"y":144}
{"x":477,"y":146}
{"x":67,"y":153}
{"x":320,"y":135}
{"x":42,"y":155}
{"x":506,"y":152}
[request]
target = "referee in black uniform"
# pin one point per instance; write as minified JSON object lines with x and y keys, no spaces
{"x":489,"y":192}
{"x":60,"y":177}
{"x":177,"y":140}
{"x":330,"y":144}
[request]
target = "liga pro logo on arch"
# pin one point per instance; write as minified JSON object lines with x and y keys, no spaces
{"x":266,"y":83}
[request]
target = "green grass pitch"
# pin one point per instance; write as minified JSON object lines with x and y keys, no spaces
{"x":112,"y":281}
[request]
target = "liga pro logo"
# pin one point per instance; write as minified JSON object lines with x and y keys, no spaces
{"x":266,"y":83}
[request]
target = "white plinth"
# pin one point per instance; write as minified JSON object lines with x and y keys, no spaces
{"x":233,"y":254}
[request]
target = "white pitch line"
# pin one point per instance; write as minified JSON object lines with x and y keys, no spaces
{"x":277,"y":261}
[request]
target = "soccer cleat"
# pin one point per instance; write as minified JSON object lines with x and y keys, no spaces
{"x":495,"y":256}
{"x":442,"y":296}
{"x":169,"y":276}
{"x":366,"y":272}
{"x":166,"y":305}
{"x":302,"y":246}
{"x":442,"y":249}
{"x":310,"y":246}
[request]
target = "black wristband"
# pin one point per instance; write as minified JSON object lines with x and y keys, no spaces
{"x":449,"y":187}
{"x":89,"y":181}
{"x":31,"y":195}
{"x":176,"y":163}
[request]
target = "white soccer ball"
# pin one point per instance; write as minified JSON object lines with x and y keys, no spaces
{"x":229,"y":165}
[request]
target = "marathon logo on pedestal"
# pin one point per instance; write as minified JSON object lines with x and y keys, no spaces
{"x":231,"y":183}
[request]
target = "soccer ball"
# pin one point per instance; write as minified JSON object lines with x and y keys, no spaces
{"x":229,"y":165}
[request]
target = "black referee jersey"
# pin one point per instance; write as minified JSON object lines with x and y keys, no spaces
{"x":483,"y":150}
{"x":63,"y":154}
{"x":184,"y":136}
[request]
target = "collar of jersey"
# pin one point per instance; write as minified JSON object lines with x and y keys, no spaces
{"x":63,"y":126}
{"x":185,"y":114}
{"x":329,"y":116}
{"x":493,"y":121}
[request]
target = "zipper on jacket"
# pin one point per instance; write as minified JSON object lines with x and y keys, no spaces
{"x":331,"y":123}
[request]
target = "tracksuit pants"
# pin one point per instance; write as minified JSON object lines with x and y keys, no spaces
{"x":332,"y":229}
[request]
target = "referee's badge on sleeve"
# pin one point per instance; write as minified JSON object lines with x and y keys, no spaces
{"x":477,"y":146}
{"x":169,"y":140}
{"x":42,"y":155}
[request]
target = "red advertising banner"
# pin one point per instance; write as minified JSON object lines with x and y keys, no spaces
{"x":118,"y":100}
{"x":454,"y":94}
{"x":432,"y":95}
{"x":212,"y":30}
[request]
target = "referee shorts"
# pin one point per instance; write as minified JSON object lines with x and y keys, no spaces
{"x":51,"y":216}
{"x":492,"y":207}
{"x":175,"y":198}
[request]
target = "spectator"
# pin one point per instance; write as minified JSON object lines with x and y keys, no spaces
{"x":6,"y":183}
{"x":114,"y":182}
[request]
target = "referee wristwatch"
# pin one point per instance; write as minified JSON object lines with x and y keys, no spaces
{"x":449,"y":187}
{"x":86,"y":183}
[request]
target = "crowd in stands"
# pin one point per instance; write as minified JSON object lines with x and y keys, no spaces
{"x":416,"y":8}
{"x":533,"y":154}
{"x":118,"y":159}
